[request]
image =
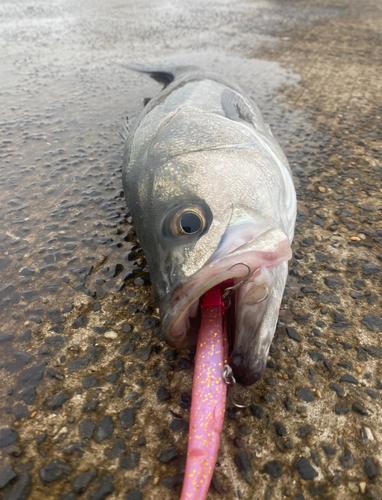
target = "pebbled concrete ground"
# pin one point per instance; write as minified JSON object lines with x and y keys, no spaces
{"x":93,"y":403}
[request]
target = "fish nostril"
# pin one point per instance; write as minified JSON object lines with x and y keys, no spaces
{"x":247,"y":368}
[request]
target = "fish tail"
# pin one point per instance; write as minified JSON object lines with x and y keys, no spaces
{"x":165,"y":73}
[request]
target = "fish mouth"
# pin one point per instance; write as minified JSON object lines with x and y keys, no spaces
{"x":247,"y":275}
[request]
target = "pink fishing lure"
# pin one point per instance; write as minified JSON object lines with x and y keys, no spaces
{"x":208,"y":398}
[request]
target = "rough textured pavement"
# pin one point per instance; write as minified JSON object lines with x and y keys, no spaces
{"x":93,"y":404}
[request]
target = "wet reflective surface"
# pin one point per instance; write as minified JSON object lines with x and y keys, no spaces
{"x":93,"y":403}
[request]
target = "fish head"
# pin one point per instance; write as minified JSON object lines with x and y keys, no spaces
{"x":198,"y":231}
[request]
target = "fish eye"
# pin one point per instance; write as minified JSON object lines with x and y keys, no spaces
{"x":188,"y":221}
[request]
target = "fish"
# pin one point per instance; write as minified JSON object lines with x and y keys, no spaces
{"x":212,"y":200}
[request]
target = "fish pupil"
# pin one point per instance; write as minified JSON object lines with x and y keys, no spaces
{"x":190,"y":222}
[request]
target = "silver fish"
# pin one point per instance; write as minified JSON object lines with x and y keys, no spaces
{"x":212,"y":199}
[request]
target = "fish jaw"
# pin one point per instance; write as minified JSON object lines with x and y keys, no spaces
{"x":180,"y":312}
{"x":257,"y":312}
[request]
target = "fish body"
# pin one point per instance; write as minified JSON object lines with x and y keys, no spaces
{"x":212,"y":199}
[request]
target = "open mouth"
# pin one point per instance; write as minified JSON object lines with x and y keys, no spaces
{"x":246,"y":275}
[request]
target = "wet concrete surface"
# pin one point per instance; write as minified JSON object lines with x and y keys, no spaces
{"x":93,"y":403}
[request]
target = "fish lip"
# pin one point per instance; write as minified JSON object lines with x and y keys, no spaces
{"x":177,"y":328}
{"x":239,"y":364}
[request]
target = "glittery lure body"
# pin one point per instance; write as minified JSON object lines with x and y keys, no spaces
{"x":208,"y":399}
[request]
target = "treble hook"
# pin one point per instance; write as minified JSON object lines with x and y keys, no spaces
{"x":228,"y":291}
{"x":230,"y":380}
{"x":265,"y":296}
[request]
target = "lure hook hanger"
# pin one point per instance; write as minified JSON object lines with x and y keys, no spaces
{"x":228,"y":377}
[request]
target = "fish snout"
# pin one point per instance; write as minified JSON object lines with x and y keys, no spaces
{"x":247,"y":368}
